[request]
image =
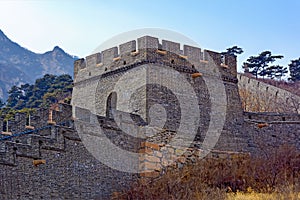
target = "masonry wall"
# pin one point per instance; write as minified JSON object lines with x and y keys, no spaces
{"x":277,"y":99}
{"x":271,"y":130}
{"x":69,"y":171}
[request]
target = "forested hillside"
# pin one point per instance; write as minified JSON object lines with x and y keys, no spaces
{"x":44,"y":92}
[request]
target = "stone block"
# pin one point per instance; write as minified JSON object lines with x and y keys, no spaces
{"x":109,"y":54}
{"x":192,"y":53}
{"x":170,"y":46}
{"x":93,"y":60}
{"x":148,"y":42}
{"x":127,"y":47}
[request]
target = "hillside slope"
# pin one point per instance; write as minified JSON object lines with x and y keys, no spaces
{"x":19,"y":65}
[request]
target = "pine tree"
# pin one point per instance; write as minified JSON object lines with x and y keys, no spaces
{"x":257,"y":65}
{"x":294,"y":68}
{"x":235,"y":50}
{"x":276,"y":71}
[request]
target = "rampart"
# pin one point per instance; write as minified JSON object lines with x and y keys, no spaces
{"x":111,"y":61}
{"x":273,"y":98}
{"x":49,"y":161}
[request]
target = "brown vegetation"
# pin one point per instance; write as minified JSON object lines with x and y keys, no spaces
{"x":273,"y":171}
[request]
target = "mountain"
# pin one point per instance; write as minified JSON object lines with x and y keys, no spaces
{"x":19,"y":65}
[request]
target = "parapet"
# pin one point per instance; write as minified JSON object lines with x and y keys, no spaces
{"x":40,"y":118}
{"x":129,"y":52}
{"x":78,"y":65}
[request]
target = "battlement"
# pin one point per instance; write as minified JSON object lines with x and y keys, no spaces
{"x":35,"y":120}
{"x":146,"y":48}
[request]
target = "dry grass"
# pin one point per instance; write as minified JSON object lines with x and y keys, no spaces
{"x":276,"y":195}
{"x":274,"y":175}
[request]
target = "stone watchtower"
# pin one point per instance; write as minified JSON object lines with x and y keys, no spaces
{"x":158,"y":85}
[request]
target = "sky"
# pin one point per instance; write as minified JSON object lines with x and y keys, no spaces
{"x":79,"y":27}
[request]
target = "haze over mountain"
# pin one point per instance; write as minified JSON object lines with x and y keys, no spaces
{"x":19,"y":65}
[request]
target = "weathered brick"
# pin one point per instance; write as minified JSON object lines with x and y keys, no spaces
{"x":152,"y":158}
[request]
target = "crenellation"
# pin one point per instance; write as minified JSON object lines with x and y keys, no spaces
{"x":193,"y":53}
{"x":112,"y":60}
{"x":108,"y":55}
{"x":93,"y":60}
{"x":170,"y":46}
{"x":19,"y":122}
{"x":148,"y":42}
{"x":127,"y":47}
{"x":78,"y":65}
{"x":39,"y":118}
{"x":214,"y":56}
{"x":230,"y":61}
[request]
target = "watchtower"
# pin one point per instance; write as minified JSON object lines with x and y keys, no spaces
{"x":141,"y":74}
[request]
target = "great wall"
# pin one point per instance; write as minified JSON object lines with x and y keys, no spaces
{"x":274,"y":99}
{"x":46,"y":158}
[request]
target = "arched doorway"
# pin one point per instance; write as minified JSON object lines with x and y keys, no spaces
{"x":111,"y":104}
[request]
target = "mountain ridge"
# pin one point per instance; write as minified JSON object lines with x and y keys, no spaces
{"x":19,"y":65}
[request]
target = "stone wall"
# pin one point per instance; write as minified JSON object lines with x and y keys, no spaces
{"x":71,"y":172}
{"x":53,"y":163}
{"x":156,"y":158}
{"x":276,"y":99}
{"x":38,"y":119}
{"x":269,"y":130}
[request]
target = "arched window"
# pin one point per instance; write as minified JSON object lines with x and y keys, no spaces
{"x":111,"y":104}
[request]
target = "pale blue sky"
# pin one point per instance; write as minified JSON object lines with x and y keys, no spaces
{"x":80,"y":26}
